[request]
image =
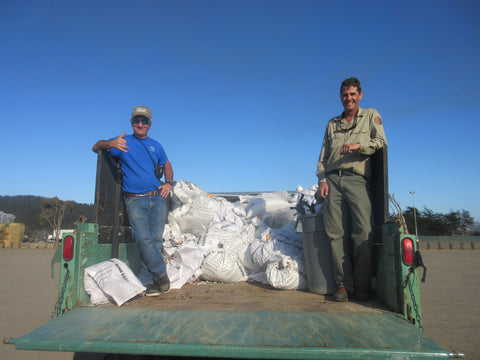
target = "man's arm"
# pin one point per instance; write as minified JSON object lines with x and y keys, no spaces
{"x":118,"y":143}
{"x":377,"y":136}
{"x":168,"y":171}
{"x":371,"y":143}
{"x":166,"y":188}
{"x":323,"y":189}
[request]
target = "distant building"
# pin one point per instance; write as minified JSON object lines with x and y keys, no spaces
{"x":475,"y":226}
{"x":51,"y":238}
{"x":6,"y":218}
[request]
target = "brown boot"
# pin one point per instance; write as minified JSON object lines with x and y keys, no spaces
{"x":341,"y":295}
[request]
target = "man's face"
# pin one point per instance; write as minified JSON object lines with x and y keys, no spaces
{"x":141,"y":125}
{"x":350,"y":98}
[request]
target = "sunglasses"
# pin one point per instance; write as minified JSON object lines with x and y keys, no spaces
{"x":143,"y":121}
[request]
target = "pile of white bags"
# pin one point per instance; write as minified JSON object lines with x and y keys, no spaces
{"x":212,"y":239}
{"x":254,"y":239}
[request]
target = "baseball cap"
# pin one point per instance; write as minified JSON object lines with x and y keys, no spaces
{"x":141,"y":111}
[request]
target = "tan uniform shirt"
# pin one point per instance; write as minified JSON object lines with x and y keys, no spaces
{"x":366,"y":128}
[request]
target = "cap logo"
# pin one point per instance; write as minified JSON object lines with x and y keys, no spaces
{"x":142,"y":111}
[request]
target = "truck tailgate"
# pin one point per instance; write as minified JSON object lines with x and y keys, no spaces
{"x":233,"y":334}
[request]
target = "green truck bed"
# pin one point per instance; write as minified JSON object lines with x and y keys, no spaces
{"x":244,"y":320}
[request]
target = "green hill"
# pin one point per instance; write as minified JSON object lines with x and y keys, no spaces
{"x":27,"y":209}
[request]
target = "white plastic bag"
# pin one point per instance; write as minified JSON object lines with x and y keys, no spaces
{"x":193,"y":209}
{"x":284,"y":273}
{"x":261,"y":253}
{"x":223,"y":266}
{"x":306,"y":202}
{"x":111,"y":281}
{"x":267,"y":202}
{"x":184,"y":259}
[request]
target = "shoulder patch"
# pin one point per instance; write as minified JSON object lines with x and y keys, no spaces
{"x":378,"y":120}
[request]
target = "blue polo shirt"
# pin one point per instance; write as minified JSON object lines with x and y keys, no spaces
{"x":138,"y":169}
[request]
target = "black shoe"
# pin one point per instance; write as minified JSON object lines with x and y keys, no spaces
{"x":151,"y":290}
{"x":362,"y":293}
{"x":162,"y":283}
{"x":341,"y":295}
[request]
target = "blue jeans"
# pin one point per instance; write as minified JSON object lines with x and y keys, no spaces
{"x":148,"y":215}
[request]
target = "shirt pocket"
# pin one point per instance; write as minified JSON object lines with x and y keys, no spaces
{"x":334,"y":136}
{"x":359,"y":135}
{"x":337,"y":140}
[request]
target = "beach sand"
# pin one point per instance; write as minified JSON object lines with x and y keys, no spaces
{"x":449,"y":298}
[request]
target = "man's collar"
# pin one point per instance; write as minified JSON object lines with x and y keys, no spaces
{"x":359,"y":113}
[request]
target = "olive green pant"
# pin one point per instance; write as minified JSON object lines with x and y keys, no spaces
{"x":347,"y":214}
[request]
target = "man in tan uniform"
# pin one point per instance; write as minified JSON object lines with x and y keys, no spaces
{"x":343,"y":171}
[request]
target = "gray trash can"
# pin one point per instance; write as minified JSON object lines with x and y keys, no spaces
{"x":318,"y":254}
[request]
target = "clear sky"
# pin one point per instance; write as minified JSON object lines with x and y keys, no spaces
{"x":240,"y":91}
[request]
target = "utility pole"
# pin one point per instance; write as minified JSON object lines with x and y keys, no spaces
{"x":414,"y":213}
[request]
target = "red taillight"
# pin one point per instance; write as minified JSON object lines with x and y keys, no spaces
{"x":68,"y":248}
{"x":408,"y":251}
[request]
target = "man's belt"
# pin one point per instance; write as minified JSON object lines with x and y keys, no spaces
{"x":150,"y":193}
{"x":342,"y":172}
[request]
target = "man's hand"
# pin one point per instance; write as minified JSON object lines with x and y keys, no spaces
{"x":322,"y":191}
{"x":165,"y":189}
{"x":349,"y":148}
{"x":120,"y":143}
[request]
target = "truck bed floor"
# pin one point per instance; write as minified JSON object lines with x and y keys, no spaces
{"x":246,"y":296}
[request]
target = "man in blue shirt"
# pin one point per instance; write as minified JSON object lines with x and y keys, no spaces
{"x":145,"y":194}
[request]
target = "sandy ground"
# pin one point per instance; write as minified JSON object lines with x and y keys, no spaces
{"x":27,"y":299}
{"x":450,"y":299}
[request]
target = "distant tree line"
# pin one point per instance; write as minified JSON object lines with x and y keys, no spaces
{"x":45,"y":214}
{"x":28,"y":210}
{"x":456,"y":222}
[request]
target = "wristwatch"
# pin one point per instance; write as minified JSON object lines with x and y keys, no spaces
{"x":169,"y":182}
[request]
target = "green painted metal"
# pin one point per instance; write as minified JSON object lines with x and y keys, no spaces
{"x":386,"y":274}
{"x":410,"y":287}
{"x":397,"y":285}
{"x":87,"y":252}
{"x":71,"y":293}
{"x":282,"y":335}
{"x":234,"y":334}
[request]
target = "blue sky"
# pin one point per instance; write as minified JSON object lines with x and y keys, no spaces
{"x":240,"y":91}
